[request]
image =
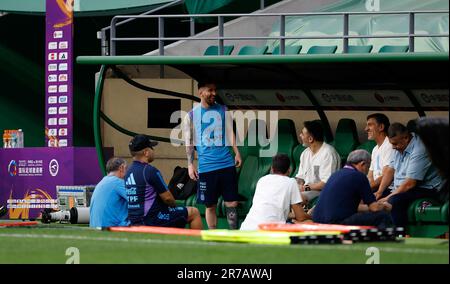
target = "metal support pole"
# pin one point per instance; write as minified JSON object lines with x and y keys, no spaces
{"x":161,"y":43}
{"x":345,"y":34}
{"x":104,"y":46}
{"x":192,"y":26}
{"x":112,"y":45}
{"x":262,"y":4}
{"x":221,"y":34}
{"x":411,"y":31}
{"x":282,"y":34}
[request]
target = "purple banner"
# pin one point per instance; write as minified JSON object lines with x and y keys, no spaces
{"x":58,"y":73}
{"x":29,"y":176}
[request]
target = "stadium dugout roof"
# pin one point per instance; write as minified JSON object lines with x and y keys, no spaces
{"x":396,"y":70}
{"x":84,"y":7}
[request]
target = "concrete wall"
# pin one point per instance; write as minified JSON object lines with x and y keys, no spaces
{"x":127,"y":107}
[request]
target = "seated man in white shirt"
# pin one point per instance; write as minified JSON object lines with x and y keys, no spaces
{"x":275,"y":195}
{"x":317,"y":162}
{"x":377,"y":128}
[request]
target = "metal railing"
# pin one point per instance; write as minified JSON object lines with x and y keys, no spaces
{"x":220,"y":38}
{"x":102,"y":34}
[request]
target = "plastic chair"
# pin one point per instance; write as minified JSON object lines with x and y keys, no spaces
{"x":214,"y":50}
{"x":252,"y":50}
{"x":346,"y":138}
{"x":288,"y":50}
{"x":368,"y":146}
{"x":393,"y":48}
{"x":360,"y":48}
{"x":318,"y":49}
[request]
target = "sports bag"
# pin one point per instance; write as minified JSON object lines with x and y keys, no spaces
{"x":181,"y":185}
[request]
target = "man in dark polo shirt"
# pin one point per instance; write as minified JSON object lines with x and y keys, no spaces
{"x":340,"y":198}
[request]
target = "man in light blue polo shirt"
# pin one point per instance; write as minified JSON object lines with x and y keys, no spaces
{"x":109,"y":204}
{"x":413,"y":173}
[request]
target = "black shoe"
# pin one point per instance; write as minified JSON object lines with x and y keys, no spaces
{"x":3,"y":210}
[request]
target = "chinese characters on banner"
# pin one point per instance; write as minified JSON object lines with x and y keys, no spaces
{"x":58,"y":73}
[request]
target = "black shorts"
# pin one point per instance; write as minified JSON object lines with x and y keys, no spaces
{"x":212,"y":185}
{"x":168,"y":217}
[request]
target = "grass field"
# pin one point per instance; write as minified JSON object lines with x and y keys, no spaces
{"x":48,"y":244}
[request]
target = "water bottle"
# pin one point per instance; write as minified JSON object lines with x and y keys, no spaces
{"x":20,"y":140}
{"x":13,"y":139}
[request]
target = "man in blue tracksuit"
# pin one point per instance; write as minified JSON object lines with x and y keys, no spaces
{"x":149,"y":200}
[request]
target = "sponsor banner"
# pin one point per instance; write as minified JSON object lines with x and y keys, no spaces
{"x":432,"y":98}
{"x":59,"y":72}
{"x":254,"y":97}
{"x":362,"y":98}
{"x":29,"y":176}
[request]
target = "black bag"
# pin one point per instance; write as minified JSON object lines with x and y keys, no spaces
{"x":181,"y":185}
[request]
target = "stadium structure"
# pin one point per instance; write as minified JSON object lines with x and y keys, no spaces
{"x":137,"y":62}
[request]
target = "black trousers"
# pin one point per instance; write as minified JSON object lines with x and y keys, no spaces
{"x":380,"y":219}
{"x":400,"y":203}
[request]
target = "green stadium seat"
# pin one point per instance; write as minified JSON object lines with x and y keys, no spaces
{"x":318,"y":49}
{"x":427,"y":218}
{"x":192,"y":201}
{"x":287,"y":138}
{"x":298,"y":150}
{"x":328,"y":136}
{"x":252,"y":138}
{"x":180,"y":202}
{"x":247,"y":185}
{"x":288,"y":50}
{"x":346,"y":138}
{"x":214,"y":50}
{"x":368,"y":146}
{"x":444,"y":212}
{"x":360,"y":48}
{"x":393,"y":48}
{"x":252,"y":50}
{"x":428,"y":211}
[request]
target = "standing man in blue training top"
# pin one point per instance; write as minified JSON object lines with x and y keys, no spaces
{"x":109,"y":203}
{"x":149,"y":200}
{"x":206,"y":131}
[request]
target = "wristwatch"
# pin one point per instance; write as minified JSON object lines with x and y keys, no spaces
{"x":307,"y":188}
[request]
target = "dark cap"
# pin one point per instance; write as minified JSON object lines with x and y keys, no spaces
{"x":140,"y":142}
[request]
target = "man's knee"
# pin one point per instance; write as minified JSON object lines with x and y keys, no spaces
{"x":211,"y":207}
{"x":193,"y":212}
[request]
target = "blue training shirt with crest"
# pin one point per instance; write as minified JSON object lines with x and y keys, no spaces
{"x":212,"y":151}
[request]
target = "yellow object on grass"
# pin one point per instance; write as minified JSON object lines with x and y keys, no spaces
{"x":257,"y":237}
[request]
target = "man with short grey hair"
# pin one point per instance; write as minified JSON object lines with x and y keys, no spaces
{"x":109,"y":204}
{"x":411,"y":170}
{"x":339,"y":201}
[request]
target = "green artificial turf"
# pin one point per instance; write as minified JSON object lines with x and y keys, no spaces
{"x":48,"y":244}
